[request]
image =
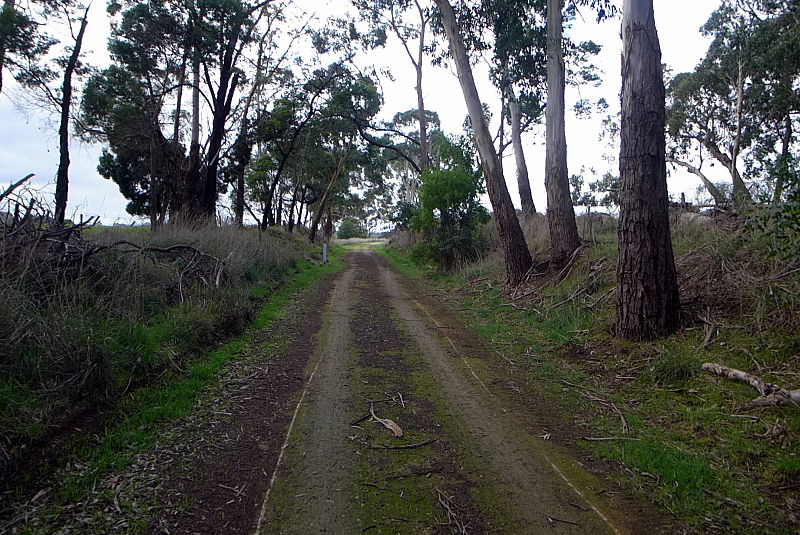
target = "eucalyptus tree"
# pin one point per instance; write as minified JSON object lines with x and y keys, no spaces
{"x":515,"y":251}
{"x":774,"y":43}
{"x":159,"y":48}
{"x":564,"y":238}
{"x":714,"y":108}
{"x":316,"y":128}
{"x":231,"y":28}
{"x":523,"y":69}
{"x":287,"y":130}
{"x":647,"y":288}
{"x":518,"y":70}
{"x":269,"y":71}
{"x":52,"y":79}
{"x":409,"y":22}
{"x":354,"y":100}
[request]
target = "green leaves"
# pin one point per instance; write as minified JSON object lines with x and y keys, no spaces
{"x":450,"y":213}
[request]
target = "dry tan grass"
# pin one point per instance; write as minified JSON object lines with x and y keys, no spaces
{"x":724,"y":274}
{"x":85,"y":328}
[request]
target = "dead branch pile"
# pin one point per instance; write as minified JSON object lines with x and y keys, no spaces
{"x":89,"y":314}
{"x":31,"y":242}
{"x":730,"y":275}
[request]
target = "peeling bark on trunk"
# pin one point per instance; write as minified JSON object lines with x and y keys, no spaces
{"x":564,"y":238}
{"x":647,"y":290}
{"x":523,"y":182}
{"x":62,"y":175}
{"x":741,"y":196}
{"x":515,"y":250}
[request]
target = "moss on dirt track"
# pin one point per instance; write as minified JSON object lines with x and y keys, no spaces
{"x":273,"y":438}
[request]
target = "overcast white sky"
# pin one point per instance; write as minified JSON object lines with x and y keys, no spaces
{"x":28,"y":142}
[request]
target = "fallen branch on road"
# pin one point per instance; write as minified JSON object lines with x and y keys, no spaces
{"x":403,"y":447}
{"x":609,"y":439}
{"x":452,"y":518}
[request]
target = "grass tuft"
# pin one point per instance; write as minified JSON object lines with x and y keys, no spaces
{"x":671,"y":368}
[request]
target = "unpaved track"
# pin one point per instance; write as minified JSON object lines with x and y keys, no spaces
{"x":316,"y":455}
{"x":314,"y":489}
{"x":537,"y":489}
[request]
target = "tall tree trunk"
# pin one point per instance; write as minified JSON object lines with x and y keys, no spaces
{"x":523,"y":182}
{"x":515,"y":250}
{"x":741,"y":196}
{"x":176,"y":125}
{"x":328,"y":230}
{"x":269,"y":220}
{"x":783,"y":159}
{"x":740,"y":190}
{"x":424,"y":152}
{"x":155,"y":187}
{"x":62,"y":175}
{"x":222,"y":107}
{"x":417,"y":62}
{"x":300,"y":213}
{"x":323,"y":203}
{"x":187,"y":202}
{"x":564,"y":238}
{"x":290,"y":221}
{"x":246,"y":153}
{"x":195,"y":137}
{"x":647,"y":289}
{"x":279,"y":209}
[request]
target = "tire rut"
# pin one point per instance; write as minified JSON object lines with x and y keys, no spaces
{"x":318,"y":468}
{"x":317,"y":489}
{"x":543,"y":500}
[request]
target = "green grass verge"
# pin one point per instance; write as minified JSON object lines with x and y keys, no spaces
{"x":139,"y":418}
{"x":694,"y":455}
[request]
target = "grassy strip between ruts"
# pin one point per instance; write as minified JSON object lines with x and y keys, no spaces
{"x":136,"y":422}
{"x":687,"y":449}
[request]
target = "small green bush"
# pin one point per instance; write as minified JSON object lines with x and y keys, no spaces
{"x":670,"y":368}
{"x":351,"y":227}
{"x":450,"y":215}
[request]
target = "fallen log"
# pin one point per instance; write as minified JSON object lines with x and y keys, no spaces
{"x":771,"y":395}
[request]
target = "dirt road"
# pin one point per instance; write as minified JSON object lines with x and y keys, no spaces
{"x":380,"y":344}
{"x":299,"y":436}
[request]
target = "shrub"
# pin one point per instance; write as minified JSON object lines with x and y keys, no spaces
{"x":351,"y":227}
{"x":780,"y":222}
{"x":671,"y":368}
{"x":450,"y":214}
